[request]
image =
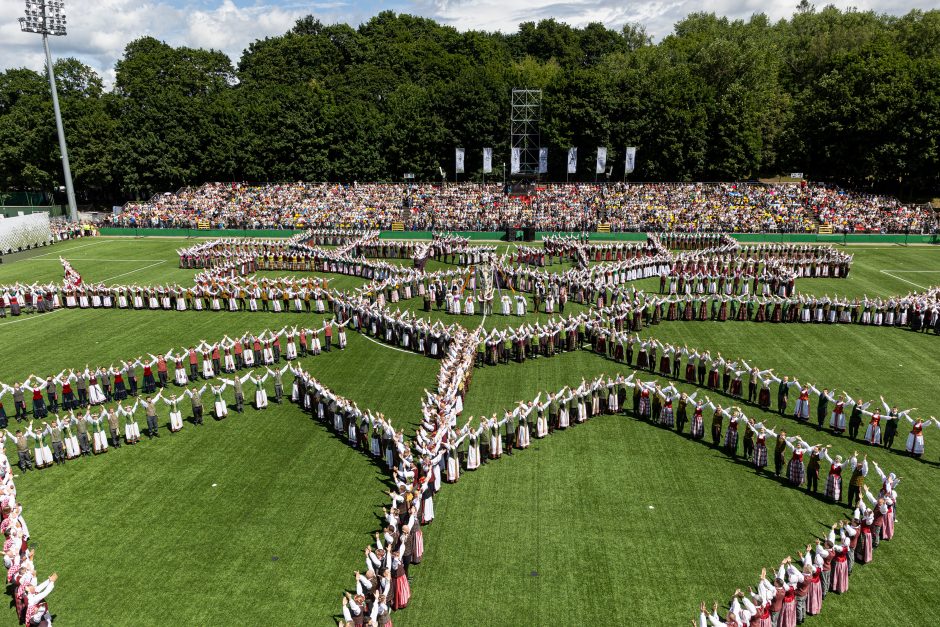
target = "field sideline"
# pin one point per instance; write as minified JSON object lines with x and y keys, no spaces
{"x":614,"y":521}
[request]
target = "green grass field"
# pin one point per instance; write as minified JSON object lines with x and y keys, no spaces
{"x":614,"y":521}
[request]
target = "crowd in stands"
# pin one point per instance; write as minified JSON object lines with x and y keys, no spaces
{"x":63,"y":229}
{"x":685,"y":207}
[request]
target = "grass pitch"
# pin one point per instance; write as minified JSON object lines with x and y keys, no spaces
{"x":141,"y":536}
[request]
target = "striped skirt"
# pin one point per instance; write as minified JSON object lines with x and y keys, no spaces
{"x":731,"y":439}
{"x":834,"y":487}
{"x":666,"y":417}
{"x":796,"y":472}
{"x":760,"y":456}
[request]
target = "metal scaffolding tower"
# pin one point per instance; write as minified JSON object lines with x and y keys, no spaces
{"x":525,"y":118}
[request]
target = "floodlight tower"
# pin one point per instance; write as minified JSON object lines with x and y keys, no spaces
{"x":45,"y":17}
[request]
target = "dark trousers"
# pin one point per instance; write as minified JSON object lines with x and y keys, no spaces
{"x":888,"y":440}
{"x":163,"y":379}
{"x":82,"y":396}
{"x":853,"y":429}
{"x":812,"y":481}
{"x":716,"y":434}
{"x":25,"y":461}
{"x":197,"y":415}
{"x":21,"y":410}
{"x":193,"y":372}
{"x":58,"y":452}
{"x":853,"y":496}
{"x":152,"y":427}
{"x":115,"y":438}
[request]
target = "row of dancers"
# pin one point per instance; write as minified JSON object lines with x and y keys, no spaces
{"x":19,"y":560}
{"x":72,"y":389}
{"x":798,"y":588}
{"x":72,"y":434}
{"x":840,"y":411}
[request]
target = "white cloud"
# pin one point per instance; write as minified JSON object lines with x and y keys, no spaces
{"x":99,"y":30}
{"x":230,"y":28}
{"x":658,"y":16}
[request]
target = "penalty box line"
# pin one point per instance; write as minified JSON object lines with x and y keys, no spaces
{"x":894,"y":276}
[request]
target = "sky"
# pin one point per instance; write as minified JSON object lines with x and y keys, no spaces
{"x":99,"y":29}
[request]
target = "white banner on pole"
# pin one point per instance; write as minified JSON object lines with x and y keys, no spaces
{"x":487,"y":160}
{"x":458,"y":165}
{"x":572,"y":160}
{"x":514,"y":159}
{"x":631,"y":159}
{"x":543,"y":160}
{"x":601,"y":160}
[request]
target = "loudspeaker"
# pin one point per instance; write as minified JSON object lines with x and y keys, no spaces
{"x":529,"y":233}
{"x":510,"y":235}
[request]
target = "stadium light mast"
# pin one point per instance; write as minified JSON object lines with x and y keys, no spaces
{"x":45,"y":17}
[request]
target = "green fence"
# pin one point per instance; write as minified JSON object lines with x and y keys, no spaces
{"x":810,"y":238}
{"x":198,"y":233}
{"x":10,"y":211}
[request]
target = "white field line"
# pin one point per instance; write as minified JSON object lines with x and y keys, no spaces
{"x":30,"y":317}
{"x":894,"y":276}
{"x":394,"y":348}
{"x":86,"y":259}
{"x":117,"y":276}
{"x":61,"y":252}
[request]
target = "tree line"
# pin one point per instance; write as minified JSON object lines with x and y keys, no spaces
{"x":845,"y":96}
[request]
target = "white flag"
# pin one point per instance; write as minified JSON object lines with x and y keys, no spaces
{"x":543,"y":160}
{"x":572,"y":160}
{"x":514,"y":160}
{"x":459,"y":161}
{"x":487,"y":160}
{"x":631,"y":159}
{"x":601,"y":160}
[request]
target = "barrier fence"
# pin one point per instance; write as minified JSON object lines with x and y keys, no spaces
{"x":747,"y":238}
